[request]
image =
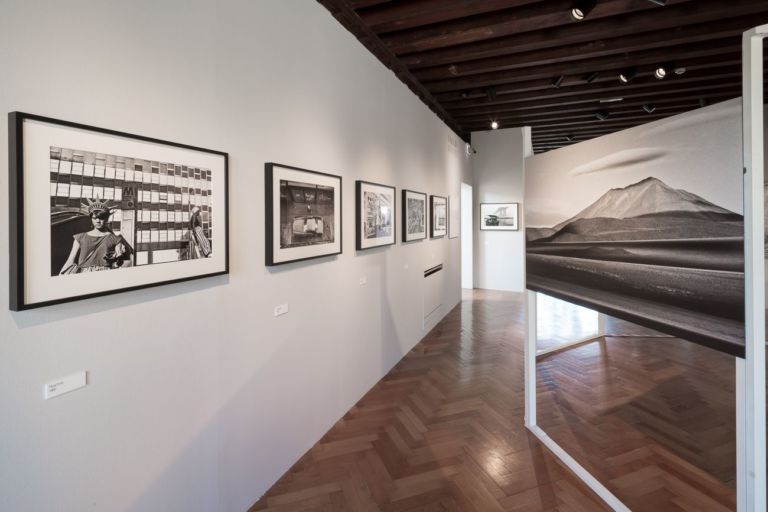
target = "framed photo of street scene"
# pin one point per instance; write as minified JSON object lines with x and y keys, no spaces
{"x":414,"y":216}
{"x":375,"y":218}
{"x":303,"y":214}
{"x":96,"y":211}
{"x":438,"y":208}
{"x":499,"y":216}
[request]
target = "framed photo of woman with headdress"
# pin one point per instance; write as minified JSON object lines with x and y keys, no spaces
{"x":96,"y":211}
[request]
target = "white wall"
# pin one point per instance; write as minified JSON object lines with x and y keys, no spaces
{"x":199,"y":399}
{"x":467,"y":217}
{"x":498,"y":178}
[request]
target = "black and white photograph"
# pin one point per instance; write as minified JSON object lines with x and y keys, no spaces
{"x":375,"y":220}
{"x":414,"y":216}
{"x":438,"y":207}
{"x":114,"y":212}
{"x":649,"y":235}
{"x":303,"y":214}
{"x":98,"y":200}
{"x":499,"y":216}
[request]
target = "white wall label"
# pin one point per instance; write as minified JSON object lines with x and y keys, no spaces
{"x":65,"y":385}
{"x":281,"y":309}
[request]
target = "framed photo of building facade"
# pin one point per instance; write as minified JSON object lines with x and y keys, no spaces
{"x":375,"y":217}
{"x":87,"y":200}
{"x":414,"y":216}
{"x":438,"y":207}
{"x":303,"y":214}
{"x":499,"y":216}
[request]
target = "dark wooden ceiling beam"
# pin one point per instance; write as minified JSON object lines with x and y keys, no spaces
{"x":414,"y":13}
{"x":649,"y":58}
{"x":723,"y":31}
{"x":673,"y":16}
{"x":346,"y":15}
{"x":587,"y":103}
{"x":502,"y":23}
{"x":606,"y":82}
{"x":597,"y":93}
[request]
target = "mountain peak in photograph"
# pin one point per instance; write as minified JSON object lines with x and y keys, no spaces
{"x":648,"y":196}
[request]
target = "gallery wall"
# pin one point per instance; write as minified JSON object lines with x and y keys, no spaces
{"x":497,"y":168}
{"x":199,"y":398}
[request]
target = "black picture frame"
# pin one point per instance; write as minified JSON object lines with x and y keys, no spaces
{"x":406,"y":216}
{"x":433,"y":233}
{"x":273,"y":256}
{"x":485,"y":227}
{"x":18,"y":224}
{"x":359,"y":206}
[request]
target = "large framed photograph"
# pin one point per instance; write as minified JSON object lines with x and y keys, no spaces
{"x":499,"y":216}
{"x":303,"y":214}
{"x":375,"y":219}
{"x":438,"y":208}
{"x":414,"y":216}
{"x":96,"y":211}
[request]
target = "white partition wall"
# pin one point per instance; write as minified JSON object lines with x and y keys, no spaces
{"x":750,"y":370}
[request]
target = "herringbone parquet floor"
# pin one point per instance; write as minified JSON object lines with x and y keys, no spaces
{"x":443,"y":431}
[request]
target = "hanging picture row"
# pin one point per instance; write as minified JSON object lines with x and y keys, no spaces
{"x":438,"y":208}
{"x":375,"y":217}
{"x":499,"y":216}
{"x":96,"y":211}
{"x":414,"y":216}
{"x":303,"y":214}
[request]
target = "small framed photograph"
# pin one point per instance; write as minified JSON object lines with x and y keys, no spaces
{"x":92,"y":211}
{"x":438,"y":207}
{"x":499,"y":216}
{"x":303,"y":214}
{"x":414,"y":216}
{"x":375,"y":219}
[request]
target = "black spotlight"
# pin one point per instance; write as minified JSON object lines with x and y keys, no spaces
{"x":569,"y":138}
{"x":602,"y":115}
{"x":582,"y":8}
{"x":591,"y":77}
{"x":627,"y":75}
{"x":649,"y":108}
{"x":661,"y":72}
{"x":557,"y":81}
{"x":465,"y":94}
{"x":703,"y":102}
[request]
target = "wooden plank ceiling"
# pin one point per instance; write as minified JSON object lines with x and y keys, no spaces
{"x":529,"y":63}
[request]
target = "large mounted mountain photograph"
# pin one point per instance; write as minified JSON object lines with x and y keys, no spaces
{"x":655,"y":237}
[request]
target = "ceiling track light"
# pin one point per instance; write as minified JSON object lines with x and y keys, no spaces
{"x":661,"y":3}
{"x":466,"y":94}
{"x":680,"y":70}
{"x":491,"y":93}
{"x":582,"y":8}
{"x":591,"y":77}
{"x":602,"y":115}
{"x":627,"y":75}
{"x":494,"y":125}
{"x":660,"y":73}
{"x":569,"y":138}
{"x":649,"y":108}
{"x":703,"y":102}
{"x":557,"y":81}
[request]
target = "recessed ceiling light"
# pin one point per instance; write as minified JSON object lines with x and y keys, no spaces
{"x":649,"y":108}
{"x":627,"y":75}
{"x":582,"y":8}
{"x":494,"y":125}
